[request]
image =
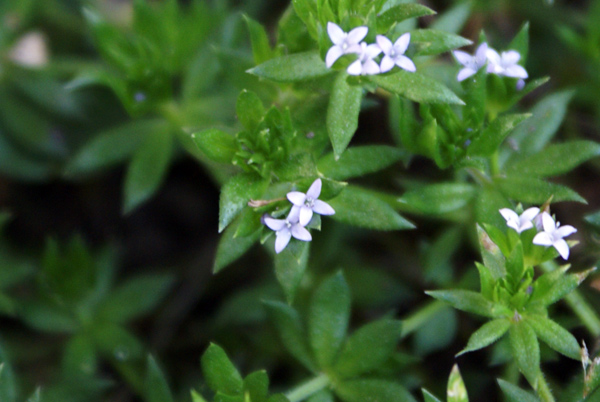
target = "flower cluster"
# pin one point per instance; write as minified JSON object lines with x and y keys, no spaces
{"x":504,"y":64}
{"x":352,"y":43}
{"x":303,"y":207}
{"x":550,"y":233}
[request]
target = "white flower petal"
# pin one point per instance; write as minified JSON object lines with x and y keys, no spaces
{"x":306,"y":214}
{"x":465,"y":73}
{"x":402,"y":43}
{"x":514,"y":225}
{"x":315,"y":189}
{"x":562,"y":247}
{"x":515,"y":71}
{"x":529,"y":214}
{"x":480,"y":54}
{"x":334,"y":53}
{"x":301,"y":233}
{"x":274,"y":224}
{"x":294,"y":215}
{"x":543,"y":239}
{"x":524,"y":226}
{"x":282,"y":240}
{"x":336,"y":34}
{"x":548,"y":223}
{"x":492,"y":56}
{"x":372,"y":50}
{"x":462,"y":57}
{"x":296,"y":197}
{"x":510,"y":57}
{"x":357,"y":34}
{"x":323,"y":208}
{"x":405,"y":63}
{"x":387,"y":63}
{"x":370,"y":67}
{"x":509,"y":215}
{"x":355,"y":68}
{"x":564,"y":231}
{"x":384,"y":44}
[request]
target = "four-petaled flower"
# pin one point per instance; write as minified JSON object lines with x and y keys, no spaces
{"x":471,"y":64}
{"x":365,"y":65}
{"x":394,"y":53}
{"x":285,"y":229}
{"x":553,"y":235}
{"x":306,"y":204}
{"x":343,"y":43}
{"x":522,"y":222}
{"x":505,"y":64}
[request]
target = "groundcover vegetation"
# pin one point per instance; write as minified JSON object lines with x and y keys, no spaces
{"x":315,"y":200}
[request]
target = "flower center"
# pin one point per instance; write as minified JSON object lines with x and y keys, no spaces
{"x":288,"y":225}
{"x":309,"y":202}
{"x":393,"y":53}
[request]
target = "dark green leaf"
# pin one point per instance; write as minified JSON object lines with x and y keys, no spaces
{"x":217,"y":145}
{"x":249,"y":109}
{"x":430,"y":42}
{"x":219,"y":373}
{"x":520,"y":43}
{"x":492,"y":137}
{"x":358,"y":161}
{"x":235,"y":195}
{"x":438,"y":198}
{"x":115,"y":342}
{"x":147,"y":169}
{"x":363,"y":208}
{"x":8,"y":385}
{"x":555,"y":336}
{"x":515,"y":394}
{"x":44,"y":317}
{"x":453,"y":18}
{"x":373,"y":390}
{"x":368,"y":348}
{"x":292,"y":68}
{"x":525,"y":350}
{"x":469,"y":301}
{"x":79,"y":357}
{"x":487,"y":334}
{"x":436,"y":333}
{"x":232,"y":247}
{"x":156,"y":387}
{"x":290,"y":266}
{"x":428,"y":396}
{"x":256,"y":385}
{"x":400,"y":13}
{"x":416,"y":87}
{"x":342,"y":113}
{"x":328,"y":318}
{"x":261,"y":49}
{"x":531,"y":190}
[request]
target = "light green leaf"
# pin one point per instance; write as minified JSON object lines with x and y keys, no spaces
{"x":342,"y":113}
{"x":525,"y":350}
{"x":363,"y":208}
{"x":487,"y":334}
{"x":235,"y":195}
{"x":232,"y":247}
{"x":469,"y":301}
{"x":531,"y":190}
{"x":368,"y":348}
{"x":453,"y":19}
{"x":196,"y":397}
{"x":430,"y":42}
{"x":328,"y":318}
{"x":156,"y":387}
{"x":400,"y":13}
{"x":147,"y":169}
{"x":416,"y":87}
{"x":292,"y":68}
{"x":515,"y":394}
{"x":217,"y":145}
{"x":428,"y":396}
{"x":290,"y":266}
{"x":249,"y":109}
{"x":456,"y":390}
{"x":358,"y":161}
{"x":261,"y":49}
{"x":373,"y":390}
{"x":554,"y":160}
{"x":438,"y":198}
{"x":322,"y":396}
{"x":492,"y":137}
{"x":220,"y":374}
{"x":256,"y":385}
{"x":555,"y":336}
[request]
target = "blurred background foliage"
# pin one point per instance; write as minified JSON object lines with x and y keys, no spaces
{"x":109,"y":224}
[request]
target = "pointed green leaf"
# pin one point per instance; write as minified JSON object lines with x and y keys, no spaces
{"x":79,"y":356}
{"x":292,"y":68}
{"x":358,"y":161}
{"x":328,"y":318}
{"x":493,"y":259}
{"x":373,"y":390}
{"x":525,"y":350}
{"x":400,"y":13}
{"x":428,"y":396}
{"x":516,"y":394}
{"x":430,"y":42}
{"x":368,"y":348}
{"x":342,"y":113}
{"x":256,"y":385}
{"x":555,"y":336}
{"x":515,"y":265}
{"x":531,"y":190}
{"x":196,"y":397}
{"x":469,"y":301}
{"x":220,"y":374}
{"x":261,"y":49}
{"x":290,"y":266}
{"x":47,"y":318}
{"x":487,"y":334}
{"x":156,"y":387}
{"x":235,"y":195}
{"x":492,"y":137}
{"x":8,"y":386}
{"x":359,"y":207}
{"x":232,"y":247}
{"x":456,"y":391}
{"x":438,"y":198}
{"x":249,"y":109}
{"x":217,"y":145}
{"x":520,"y":43}
{"x":453,"y":18}
{"x":416,"y":87}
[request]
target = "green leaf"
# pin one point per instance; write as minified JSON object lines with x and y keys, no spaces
{"x":416,"y":87}
{"x":79,"y":356}
{"x":8,"y":385}
{"x":556,"y":286}
{"x":400,"y":13}
{"x":328,"y":318}
{"x":290,"y":266}
{"x":515,"y":394}
{"x":555,"y":336}
{"x":288,"y":324}
{"x":261,"y":49}
{"x":430,"y":42}
{"x":520,"y":43}
{"x":156,"y":387}
{"x":250,"y":110}
{"x":47,"y":318}
{"x":147,"y":169}
{"x":438,"y":198}
{"x":456,"y":390}
{"x":453,"y":18}
{"x":196,"y":397}
{"x":136,"y":297}
{"x":217,"y":145}
{"x":555,"y":159}
{"x":256,"y":385}
{"x":368,"y":348}
{"x":493,"y":259}
{"x":487,"y":334}
{"x":292,"y":68}
{"x":531,"y":190}
{"x":492,"y":137}
{"x":115,"y":342}
{"x":437,"y":333}
{"x":322,"y":396}
{"x":373,"y":390}
{"x":359,"y":207}
{"x":469,"y":301}
{"x":525,"y":350}
{"x":219,"y":373}
{"x":342,"y":113}
{"x":232,"y":247}
{"x":428,"y":396}
{"x":235,"y":195}
{"x":359,"y":161}
{"x":515,"y":265}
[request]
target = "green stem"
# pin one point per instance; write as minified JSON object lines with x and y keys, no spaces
{"x":495,"y":163}
{"x":580,"y":306}
{"x":414,"y":321}
{"x":543,"y":390}
{"x":309,"y":388}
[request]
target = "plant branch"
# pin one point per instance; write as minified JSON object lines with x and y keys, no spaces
{"x":414,"y":321}
{"x":309,"y":388}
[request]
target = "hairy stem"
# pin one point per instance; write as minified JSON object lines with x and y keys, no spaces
{"x":414,"y":321}
{"x":309,"y":388}
{"x":543,"y":390}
